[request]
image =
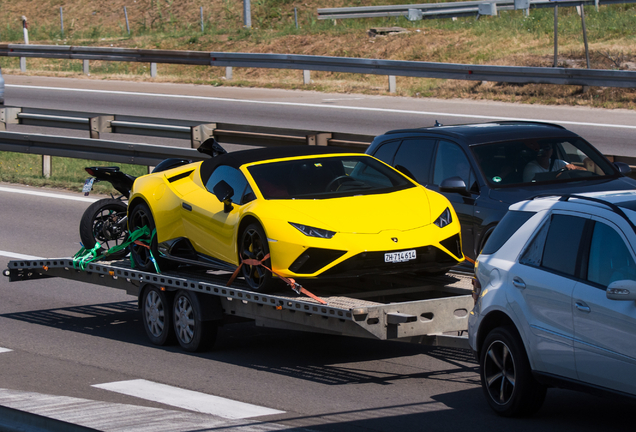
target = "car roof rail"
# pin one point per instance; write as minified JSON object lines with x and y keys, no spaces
{"x":501,"y":122}
{"x":616,"y":209}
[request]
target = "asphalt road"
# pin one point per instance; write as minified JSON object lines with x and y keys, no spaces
{"x":59,"y":339}
{"x":612,"y":131}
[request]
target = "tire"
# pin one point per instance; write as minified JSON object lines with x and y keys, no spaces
{"x":193,"y":334}
{"x":104,"y":222}
{"x":156,"y":310}
{"x":140,"y":217}
{"x":506,"y":376}
{"x":253,"y":244}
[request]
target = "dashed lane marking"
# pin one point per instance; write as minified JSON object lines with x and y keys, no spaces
{"x":48,"y":194}
{"x":116,"y":417}
{"x":188,"y":399}
{"x":19,"y":256}
{"x":3,"y":350}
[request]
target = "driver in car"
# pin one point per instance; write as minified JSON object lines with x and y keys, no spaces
{"x":544,"y":163}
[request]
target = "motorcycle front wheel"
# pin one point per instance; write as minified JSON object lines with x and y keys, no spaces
{"x":104,"y":221}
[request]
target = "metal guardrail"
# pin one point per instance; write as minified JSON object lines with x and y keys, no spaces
{"x":196,"y":132}
{"x":450,"y":9}
{"x":512,"y":74}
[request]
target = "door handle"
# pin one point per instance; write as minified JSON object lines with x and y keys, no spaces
{"x":582,"y":306}
{"x":518,"y":282}
{"x":188,"y":207}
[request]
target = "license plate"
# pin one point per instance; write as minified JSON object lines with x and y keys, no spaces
{"x":396,"y":257}
{"x":88,"y":185}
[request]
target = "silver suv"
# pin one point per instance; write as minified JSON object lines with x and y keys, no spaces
{"x":555,"y":304}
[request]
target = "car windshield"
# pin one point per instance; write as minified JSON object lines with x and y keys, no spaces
{"x":326,"y":177}
{"x":531,"y":161}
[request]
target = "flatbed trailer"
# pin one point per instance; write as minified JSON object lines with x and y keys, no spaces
{"x":191,"y":305}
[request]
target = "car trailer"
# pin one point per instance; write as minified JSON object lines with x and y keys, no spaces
{"x":424,"y":310}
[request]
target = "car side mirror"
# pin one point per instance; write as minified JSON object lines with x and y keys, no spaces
{"x":623,"y":167}
{"x":621,"y":290}
{"x":454,"y":185}
{"x":224,"y":194}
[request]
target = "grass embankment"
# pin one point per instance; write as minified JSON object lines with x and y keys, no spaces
{"x":509,"y":39}
{"x":66,"y":173}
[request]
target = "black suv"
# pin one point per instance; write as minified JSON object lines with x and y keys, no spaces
{"x":483,"y":168}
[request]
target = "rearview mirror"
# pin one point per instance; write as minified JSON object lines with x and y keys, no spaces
{"x":224,"y":193}
{"x":621,"y":290}
{"x":454,"y":185}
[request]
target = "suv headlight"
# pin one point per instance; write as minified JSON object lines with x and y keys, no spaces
{"x":313,"y":232}
{"x":444,"y":219}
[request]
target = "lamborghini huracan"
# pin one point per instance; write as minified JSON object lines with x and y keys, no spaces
{"x":304,"y":212}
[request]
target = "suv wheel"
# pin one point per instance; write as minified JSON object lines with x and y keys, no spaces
{"x":506,"y":377}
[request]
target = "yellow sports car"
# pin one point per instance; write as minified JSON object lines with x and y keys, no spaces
{"x":305,"y":212}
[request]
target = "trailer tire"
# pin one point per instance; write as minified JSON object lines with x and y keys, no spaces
{"x":156,"y":309}
{"x":193,"y":334}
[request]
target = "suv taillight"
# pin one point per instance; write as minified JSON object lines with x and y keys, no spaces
{"x":476,"y":289}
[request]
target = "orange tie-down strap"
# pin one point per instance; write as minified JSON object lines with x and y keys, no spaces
{"x":470,"y":260}
{"x":289,"y":281}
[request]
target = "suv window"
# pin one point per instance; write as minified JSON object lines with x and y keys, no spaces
{"x":556,"y":245}
{"x":610,"y":259}
{"x":386,"y":151}
{"x":510,"y":223}
{"x":413,"y":158}
{"x":451,"y":161}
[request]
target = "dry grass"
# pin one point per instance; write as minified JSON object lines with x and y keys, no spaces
{"x":165,"y":24}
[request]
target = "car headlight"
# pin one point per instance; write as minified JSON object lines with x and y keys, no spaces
{"x":444,"y":219}
{"x":313,"y":232}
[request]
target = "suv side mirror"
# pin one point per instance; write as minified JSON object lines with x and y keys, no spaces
{"x":621,"y":290}
{"x":224,"y":194}
{"x":454,"y":185}
{"x":623,"y":167}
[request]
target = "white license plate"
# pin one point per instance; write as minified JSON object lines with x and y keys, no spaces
{"x":395,"y":257}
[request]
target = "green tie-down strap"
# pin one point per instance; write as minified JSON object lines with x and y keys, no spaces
{"x":141,"y":235}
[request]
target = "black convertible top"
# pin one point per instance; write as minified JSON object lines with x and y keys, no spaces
{"x":242,"y":157}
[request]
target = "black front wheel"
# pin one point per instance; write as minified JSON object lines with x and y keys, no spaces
{"x":253,"y":245}
{"x":104,"y":222}
{"x":506,"y":376}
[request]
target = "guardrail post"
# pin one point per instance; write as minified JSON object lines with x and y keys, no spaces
{"x":153,"y":70}
{"x":228,"y":73}
{"x":85,"y":67}
{"x":392,"y":84}
{"x":8,"y":116}
{"x":319,"y":139}
{"x":100,"y":124}
{"x":46,"y":166}
{"x":306,"y":77}
{"x":200,"y":133}
{"x":23,"y":64}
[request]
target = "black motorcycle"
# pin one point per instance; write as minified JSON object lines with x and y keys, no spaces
{"x":105,"y":221}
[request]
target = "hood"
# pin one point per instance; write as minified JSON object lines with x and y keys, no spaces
{"x":363,"y":214}
{"x":516,"y":194}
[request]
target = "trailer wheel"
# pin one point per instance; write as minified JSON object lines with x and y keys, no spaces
{"x":193,"y":334}
{"x":157,"y":316}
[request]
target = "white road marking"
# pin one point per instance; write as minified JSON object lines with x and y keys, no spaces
{"x":117,"y":417}
{"x":48,"y":194}
{"x":335,"y":107}
{"x":18,"y":256}
{"x":188,"y":399}
{"x":3,"y":350}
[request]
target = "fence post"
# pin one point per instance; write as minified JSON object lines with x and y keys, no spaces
{"x":25,"y":32}
{"x":126,"y":15}
{"x":247,"y":14}
{"x":62,"y":21}
{"x":296,"y":16}
{"x":202,"y":28}
{"x":392,"y":84}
